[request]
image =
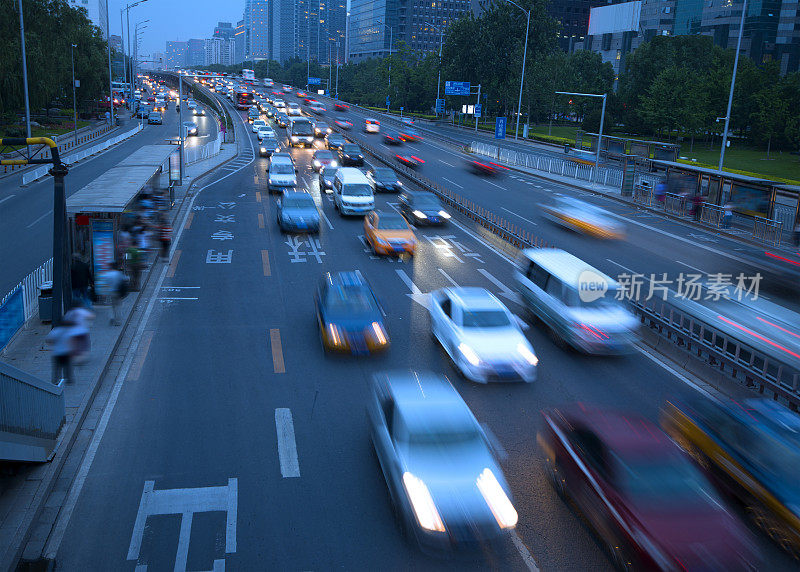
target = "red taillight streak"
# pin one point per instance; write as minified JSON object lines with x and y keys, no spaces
{"x":759,"y":336}
{"x":417,"y":159}
{"x":782,"y":258}
{"x":777,"y":326}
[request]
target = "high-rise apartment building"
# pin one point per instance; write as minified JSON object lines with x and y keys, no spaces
{"x":239,"y":42}
{"x":195,"y":52}
{"x":257,"y":26}
{"x":175,"y":55}
{"x":96,"y":10}
{"x":224,"y":30}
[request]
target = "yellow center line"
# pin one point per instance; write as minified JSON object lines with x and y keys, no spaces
{"x":277,"y":350}
{"x":265,"y":262}
{"x":141,"y":356}
{"x":174,"y":264}
{"x":260,"y":220}
{"x":189,"y":220}
{"x":258,"y":196}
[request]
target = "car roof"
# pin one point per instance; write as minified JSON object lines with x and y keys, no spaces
{"x":281,"y":158}
{"x":423,"y":396}
{"x":296,"y":195}
{"x":475,"y":298}
{"x":563,"y":265}
{"x":389,"y":215}
{"x":351,"y":175}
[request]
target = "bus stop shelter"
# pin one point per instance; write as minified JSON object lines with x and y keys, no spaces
{"x":617,"y":148}
{"x":96,"y":212}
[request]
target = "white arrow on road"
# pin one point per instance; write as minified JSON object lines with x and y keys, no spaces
{"x":505,"y":291}
{"x":416,"y":294}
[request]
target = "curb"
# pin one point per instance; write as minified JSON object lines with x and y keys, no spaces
{"x":71,"y":430}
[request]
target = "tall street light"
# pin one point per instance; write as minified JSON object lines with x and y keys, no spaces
{"x":439,"y":77}
{"x":733,"y":83}
{"x":391,"y":43}
{"x":136,"y":38}
{"x":110,"y":71}
{"x":524,"y":56}
{"x":24,"y":72}
{"x":130,"y":64}
{"x":74,"y":100}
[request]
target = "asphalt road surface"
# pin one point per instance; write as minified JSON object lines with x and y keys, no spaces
{"x":232,"y":346}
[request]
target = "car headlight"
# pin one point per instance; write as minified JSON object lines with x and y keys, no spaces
{"x":499,"y":503}
{"x":444,"y":214}
{"x":333,"y":164}
{"x":527,"y":354}
{"x":294,"y":137}
{"x":263,"y":149}
{"x":316,"y":163}
{"x":422,"y":503}
{"x":420,"y":214}
{"x":380,"y":333}
{"x":335,"y":335}
{"x":469,"y":354}
{"x":399,"y":184}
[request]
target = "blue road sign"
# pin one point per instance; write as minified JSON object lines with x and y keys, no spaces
{"x":440,"y":106}
{"x":314,"y":81}
{"x":387,"y":102}
{"x":500,"y":128}
{"x":477,"y":110}
{"x":456,"y":88}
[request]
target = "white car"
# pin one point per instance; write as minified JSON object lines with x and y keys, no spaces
{"x":265,"y":131}
{"x":481,"y":336}
{"x":293,"y":109}
{"x":257,"y":124}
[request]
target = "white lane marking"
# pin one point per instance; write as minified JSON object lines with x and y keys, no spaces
{"x":449,"y":279}
{"x":40,"y":218}
{"x":287,"y":447}
{"x":172,"y":298}
{"x":183,"y":541}
{"x":8,"y":197}
{"x":621,"y":266}
{"x":452,"y":182}
{"x":170,"y":287}
{"x":446,"y":163}
{"x":704,"y":388}
{"x":495,"y":184}
{"x":504,"y":290}
{"x":520,"y":216}
{"x":408,"y":282}
{"x":524,"y":552}
{"x":692,"y":267}
{"x":327,"y":220}
{"x":483,"y":242}
{"x":57,"y":535}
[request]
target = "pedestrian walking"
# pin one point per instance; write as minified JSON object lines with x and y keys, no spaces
{"x":82,"y":318}
{"x":727,"y":215}
{"x":697,"y":206}
{"x":60,"y":338}
{"x":165,"y":237}
{"x":133,"y":257}
{"x":82,"y":280}
{"x":116,"y":284}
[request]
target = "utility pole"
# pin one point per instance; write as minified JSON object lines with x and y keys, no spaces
{"x":337,"y":68}
{"x":180,"y":120}
{"x":110,"y":72}
{"x":733,"y":83}
{"x":24,"y":72}
{"x":478,"y":103}
{"x":74,"y":100}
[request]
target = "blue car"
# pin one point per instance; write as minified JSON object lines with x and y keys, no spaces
{"x":297,"y":213}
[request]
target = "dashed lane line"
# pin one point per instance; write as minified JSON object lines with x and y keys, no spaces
{"x":265,"y":262}
{"x":287,"y":445}
{"x":277,"y":351}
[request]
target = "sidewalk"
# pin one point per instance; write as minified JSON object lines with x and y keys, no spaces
{"x":25,"y":519}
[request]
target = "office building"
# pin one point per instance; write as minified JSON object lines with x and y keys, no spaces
{"x":115,"y":42}
{"x":257,"y":25}
{"x":239,"y":42}
{"x":224,"y":30}
{"x":96,"y":10}
{"x":175,"y":55}
{"x":195,"y":52}
{"x":787,"y":40}
{"x":219,"y":50}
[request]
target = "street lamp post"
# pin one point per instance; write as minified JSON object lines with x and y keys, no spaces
{"x":733,"y":83}
{"x":180,"y":120}
{"x":391,"y":43}
{"x":337,"y":68}
{"x":134,"y":62}
{"x":110,"y":72}
{"x":130,"y":63}
{"x":24,"y":72}
{"x":524,"y":57}
{"x":602,"y":121}
{"x":439,"y":77}
{"x":74,"y":100}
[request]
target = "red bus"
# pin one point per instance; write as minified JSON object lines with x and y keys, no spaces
{"x":244,"y":99}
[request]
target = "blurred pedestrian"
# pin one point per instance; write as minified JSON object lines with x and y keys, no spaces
{"x":133,"y":261}
{"x":661,"y":192}
{"x":82,"y":318}
{"x":727,"y":215}
{"x":82,"y":280}
{"x":116,"y":289}
{"x":165,"y":236}
{"x":697,"y":205}
{"x":60,"y":338}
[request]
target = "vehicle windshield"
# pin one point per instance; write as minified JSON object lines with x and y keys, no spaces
{"x":335,"y":138}
{"x":302,"y":128}
{"x":351,"y":149}
{"x":269,"y":141}
{"x":427,"y":202}
{"x":485,"y":319}
{"x":392,"y":222}
{"x":281,"y":168}
{"x":357,"y":190}
{"x":384,"y":174}
{"x":350,"y":300}
{"x":665,"y":481}
{"x":323,"y":155}
{"x":299,"y":201}
{"x":606,"y":302}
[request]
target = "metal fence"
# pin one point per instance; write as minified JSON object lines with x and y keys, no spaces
{"x":712,"y":215}
{"x":194,"y":154}
{"x":40,"y":172}
{"x":29,"y":288}
{"x":768,"y":230}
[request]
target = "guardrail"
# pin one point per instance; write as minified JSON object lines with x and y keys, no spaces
{"x":733,"y":356}
{"x":29,"y":290}
{"x":643,"y":195}
{"x":32,"y":413}
{"x":40,"y":172}
{"x":676,"y":204}
{"x":712,"y":215}
{"x":194,"y":154}
{"x":768,"y":230}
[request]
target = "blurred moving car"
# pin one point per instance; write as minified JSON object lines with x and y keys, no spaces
{"x":422,"y":207}
{"x":334,"y":140}
{"x":409,"y":161}
{"x":443,"y":475}
{"x":407,"y":121}
{"x":349,"y":316}
{"x":388,"y":233}
{"x":650,"y":506}
{"x":316,"y":107}
{"x":372,"y":125}
{"x":392,"y":138}
{"x":323,"y":158}
{"x":410,"y":135}
{"x":257,"y":124}
{"x":281,"y":119}
{"x":252,"y":115}
{"x":352,"y":193}
{"x":265,"y":131}
{"x":752,"y":449}
{"x":301,"y":94}
{"x":199,"y":111}
{"x":155,"y":118}
{"x":481,"y":336}
{"x":576,"y":302}
{"x":339,"y":106}
{"x":384,"y":179}
{"x":190,"y":128}
{"x":297,"y":212}
{"x":485,"y":168}
{"x":350,"y":155}
{"x":343,"y":123}
{"x":293,"y":109}
{"x":322,"y":129}
{"x":268,"y":146}
{"x":326,"y":178}
{"x":580,"y":216}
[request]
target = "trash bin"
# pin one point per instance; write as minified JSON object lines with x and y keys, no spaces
{"x":46,"y":302}
{"x":566,"y":147}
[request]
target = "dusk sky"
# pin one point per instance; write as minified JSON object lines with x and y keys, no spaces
{"x":175,"y":19}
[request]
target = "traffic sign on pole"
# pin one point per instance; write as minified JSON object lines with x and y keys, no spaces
{"x":440,"y":106}
{"x":456,"y":88}
{"x":477,"y":110}
{"x":500,"y":128}
{"x":314,"y":81}
{"x":387,"y":102}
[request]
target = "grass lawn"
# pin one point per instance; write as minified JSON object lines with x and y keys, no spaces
{"x":50,"y":131}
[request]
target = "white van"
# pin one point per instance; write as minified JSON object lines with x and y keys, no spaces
{"x":282,"y":174}
{"x":575,"y":301}
{"x":352,"y":192}
{"x":300,"y":132}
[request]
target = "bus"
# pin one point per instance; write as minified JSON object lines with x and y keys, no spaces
{"x":243,"y":98}
{"x":248,"y":75}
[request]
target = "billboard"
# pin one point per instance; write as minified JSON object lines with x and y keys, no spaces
{"x":615,"y":18}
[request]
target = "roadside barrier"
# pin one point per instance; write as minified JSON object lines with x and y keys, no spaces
{"x":768,"y":230}
{"x":68,"y":145}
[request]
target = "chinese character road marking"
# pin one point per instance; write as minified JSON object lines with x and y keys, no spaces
{"x":186,"y":502}
{"x":220,"y":257}
{"x":226,"y":206}
{"x":298,"y":255}
{"x":201,"y":208}
{"x":225,"y":218}
{"x":222,"y":235}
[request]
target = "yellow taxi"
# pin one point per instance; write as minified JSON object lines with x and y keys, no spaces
{"x":389,"y":233}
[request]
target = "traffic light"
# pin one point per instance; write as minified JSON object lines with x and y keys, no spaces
{"x":570,"y":101}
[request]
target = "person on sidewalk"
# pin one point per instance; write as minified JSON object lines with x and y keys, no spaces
{"x":116,"y":289}
{"x":82,"y":318}
{"x":164,"y":236}
{"x":697,"y":206}
{"x":727,"y":215}
{"x":661,"y":192}
{"x":82,"y":280}
{"x":61,"y":338}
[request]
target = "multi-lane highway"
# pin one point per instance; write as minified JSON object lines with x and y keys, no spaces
{"x":246,"y":444}
{"x":27,"y":212}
